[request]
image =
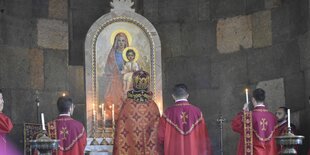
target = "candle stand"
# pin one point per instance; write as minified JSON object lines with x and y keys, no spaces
{"x":104,"y":138}
{"x":44,"y":144}
{"x":289,"y":141}
{"x":94,"y":141}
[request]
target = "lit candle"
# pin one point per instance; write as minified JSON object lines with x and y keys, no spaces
{"x":102,"y":112}
{"x":247,"y":95}
{"x":113,"y":114}
{"x":102,"y":109}
{"x":63,"y":94}
{"x":43,"y":122}
{"x":289,"y":118}
{"x":103,"y":118}
{"x":94,"y":117}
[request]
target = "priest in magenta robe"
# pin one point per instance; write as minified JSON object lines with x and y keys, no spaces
{"x":256,"y":128}
{"x":282,"y":126}
{"x":182,"y":129}
{"x":137,"y":124}
{"x":5,"y":126}
{"x":70,"y":133}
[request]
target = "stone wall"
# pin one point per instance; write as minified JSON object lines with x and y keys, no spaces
{"x":34,"y":57}
{"x":224,"y":46}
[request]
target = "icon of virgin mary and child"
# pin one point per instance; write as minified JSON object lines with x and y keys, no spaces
{"x":120,"y":66}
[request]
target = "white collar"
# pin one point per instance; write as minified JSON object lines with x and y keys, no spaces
{"x":64,"y":115}
{"x":260,"y":105}
{"x":181,"y":100}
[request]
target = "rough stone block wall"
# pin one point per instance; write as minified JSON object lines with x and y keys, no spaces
{"x":34,"y":57}
{"x":225,"y":46}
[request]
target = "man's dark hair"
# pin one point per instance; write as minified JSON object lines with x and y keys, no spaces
{"x":63,"y":104}
{"x":285,"y":109}
{"x":259,"y":95}
{"x":130,"y":51}
{"x":180,"y":90}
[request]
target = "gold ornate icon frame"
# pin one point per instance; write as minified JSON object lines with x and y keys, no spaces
{"x":118,"y":16}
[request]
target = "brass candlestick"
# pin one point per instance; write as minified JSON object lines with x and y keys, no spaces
{"x":112,"y":134}
{"x":94,"y":141}
{"x":289,"y":141}
{"x":104,"y":141}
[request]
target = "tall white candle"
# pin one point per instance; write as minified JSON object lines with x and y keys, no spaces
{"x":289,"y":117}
{"x":104,"y":118}
{"x":43,"y":122}
{"x":102,"y":109}
{"x":94,"y":115}
{"x":113,"y":119}
{"x":102,"y":113}
{"x":247,"y":95}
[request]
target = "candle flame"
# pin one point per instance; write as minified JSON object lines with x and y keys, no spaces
{"x":63,"y":94}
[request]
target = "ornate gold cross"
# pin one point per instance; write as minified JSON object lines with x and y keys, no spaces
{"x":184,"y":116}
{"x":263,"y":123}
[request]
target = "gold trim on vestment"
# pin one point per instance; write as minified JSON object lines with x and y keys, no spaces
{"x":261,"y":110}
{"x":264,"y":139}
{"x":248,"y":132}
{"x":65,"y":119}
{"x":181,"y":104}
{"x":52,"y":130}
{"x":73,"y":142}
{"x":180,"y":130}
{"x":271,"y":134}
{"x":54,"y":135}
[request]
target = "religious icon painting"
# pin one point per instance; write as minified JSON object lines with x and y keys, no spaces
{"x":118,"y":44}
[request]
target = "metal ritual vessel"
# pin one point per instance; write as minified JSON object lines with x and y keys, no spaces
{"x":44,"y":145}
{"x":289,"y":141}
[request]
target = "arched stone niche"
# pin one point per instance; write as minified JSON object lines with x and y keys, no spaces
{"x":103,"y":68}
